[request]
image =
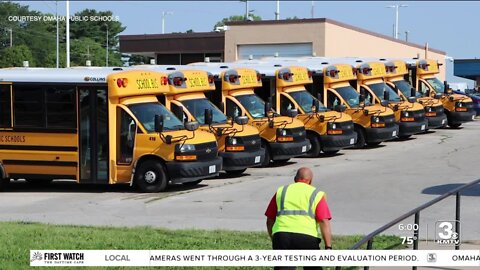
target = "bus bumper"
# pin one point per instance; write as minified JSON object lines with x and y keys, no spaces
{"x":437,"y":121}
{"x":377,"y":135}
{"x":461,"y":117}
{"x":241,"y":160}
{"x":410,"y":128}
{"x":289,"y":149}
{"x":188,"y":171}
{"x":338,"y":142}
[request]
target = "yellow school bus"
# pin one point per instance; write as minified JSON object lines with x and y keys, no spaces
{"x":327,"y":130}
{"x":239,"y":144}
{"x":373,"y":123}
{"x":434,"y":112}
{"x":409,"y":114}
{"x":458,"y":108}
{"x":98,"y":126}
{"x":282,"y":137}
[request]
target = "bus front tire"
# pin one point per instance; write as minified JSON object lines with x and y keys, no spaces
{"x":39,"y":182}
{"x":360,"y":138}
{"x":454,"y":125}
{"x":150,"y":177}
{"x":235,"y":172}
{"x":193,"y":183}
{"x":316,"y":147}
{"x":266,"y":161}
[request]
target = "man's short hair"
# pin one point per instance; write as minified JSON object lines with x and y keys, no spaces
{"x":303,"y":173}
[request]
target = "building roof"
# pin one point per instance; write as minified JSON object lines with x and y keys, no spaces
{"x":326,"y":20}
{"x":467,"y":68}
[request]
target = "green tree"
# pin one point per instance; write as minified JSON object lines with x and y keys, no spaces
{"x":235,"y":18}
{"x":14,"y":56}
{"x":292,"y":18}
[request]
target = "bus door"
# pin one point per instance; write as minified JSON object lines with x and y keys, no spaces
{"x":93,"y":134}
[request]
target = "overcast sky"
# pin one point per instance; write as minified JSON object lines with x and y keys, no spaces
{"x":450,"y":26}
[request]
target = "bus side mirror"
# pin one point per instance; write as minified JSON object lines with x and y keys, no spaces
{"x":208,"y":117}
{"x":340,"y":108}
{"x":241,"y":120}
{"x":412,"y":99}
{"x":221,"y":106}
{"x":315,"y":105}
{"x":191,"y":126}
{"x":361,"y":98}
{"x":178,"y":112}
{"x":427,"y":92}
{"x":386,"y":95}
{"x":438,"y":96}
{"x":384,"y":103}
{"x":413,"y":92}
{"x":445,"y":87}
{"x":292,"y":113}
{"x":158,"y":123}
{"x":268,"y":108}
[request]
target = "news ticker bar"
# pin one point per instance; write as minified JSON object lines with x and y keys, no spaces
{"x":255,"y":258}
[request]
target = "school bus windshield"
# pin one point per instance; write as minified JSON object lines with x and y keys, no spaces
{"x":145,"y":113}
{"x":197,"y":108}
{"x":406,"y":88}
{"x":437,"y":85}
{"x":253,"y":104}
{"x":305,"y":100}
{"x":350,"y":96}
{"x":380,"y":88}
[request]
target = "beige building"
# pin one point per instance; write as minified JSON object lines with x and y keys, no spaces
{"x":285,"y":38}
{"x":318,"y":37}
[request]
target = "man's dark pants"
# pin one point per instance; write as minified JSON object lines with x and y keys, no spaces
{"x":285,"y":240}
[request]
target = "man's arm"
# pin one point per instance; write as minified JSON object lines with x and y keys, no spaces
{"x":326,"y":233}
{"x":270,"y":223}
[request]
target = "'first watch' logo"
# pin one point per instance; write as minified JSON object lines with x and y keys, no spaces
{"x":36,"y":256}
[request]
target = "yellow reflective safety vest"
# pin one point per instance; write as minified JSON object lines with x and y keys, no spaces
{"x":296,"y":204}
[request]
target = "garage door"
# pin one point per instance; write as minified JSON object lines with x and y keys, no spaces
{"x":283,"y":50}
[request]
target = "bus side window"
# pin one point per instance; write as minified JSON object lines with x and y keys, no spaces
{"x":232,"y":109}
{"x":176,"y":109}
{"x":5,"y":108}
{"x":332,"y":100}
{"x":368,"y":96}
{"x":285,"y":105}
{"x":127,"y":130}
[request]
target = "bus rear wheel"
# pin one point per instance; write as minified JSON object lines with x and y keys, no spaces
{"x":150,"y":177}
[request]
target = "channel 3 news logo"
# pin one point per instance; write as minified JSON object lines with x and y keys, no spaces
{"x":445,"y":233}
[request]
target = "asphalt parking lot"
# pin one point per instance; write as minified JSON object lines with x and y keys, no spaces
{"x":365,"y":189}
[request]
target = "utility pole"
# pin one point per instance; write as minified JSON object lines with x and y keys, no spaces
{"x":56,"y":18}
{"x":11,"y":36}
{"x":396,"y":7}
{"x":277,"y":13}
{"x":67,"y":37}
{"x":106,"y":55}
{"x":406,"y":35}
{"x":163,"y":19}
{"x":312,"y":11}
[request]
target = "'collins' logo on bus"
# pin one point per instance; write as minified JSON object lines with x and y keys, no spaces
{"x":94,"y":79}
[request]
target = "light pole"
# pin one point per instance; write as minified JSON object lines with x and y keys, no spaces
{"x":163,"y":19}
{"x":396,"y":7}
{"x":277,"y":12}
{"x":106,"y":55}
{"x":67,"y":36}
{"x":56,"y":18}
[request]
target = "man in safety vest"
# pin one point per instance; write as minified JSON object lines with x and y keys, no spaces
{"x":295,"y":213}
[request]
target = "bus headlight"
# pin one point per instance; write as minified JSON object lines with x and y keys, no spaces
{"x":233,"y":144}
{"x":332,"y":129}
{"x":376,"y":123}
{"x":283,"y":135}
{"x":405,"y":117}
{"x":184,"y":152}
{"x":460,"y":107}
